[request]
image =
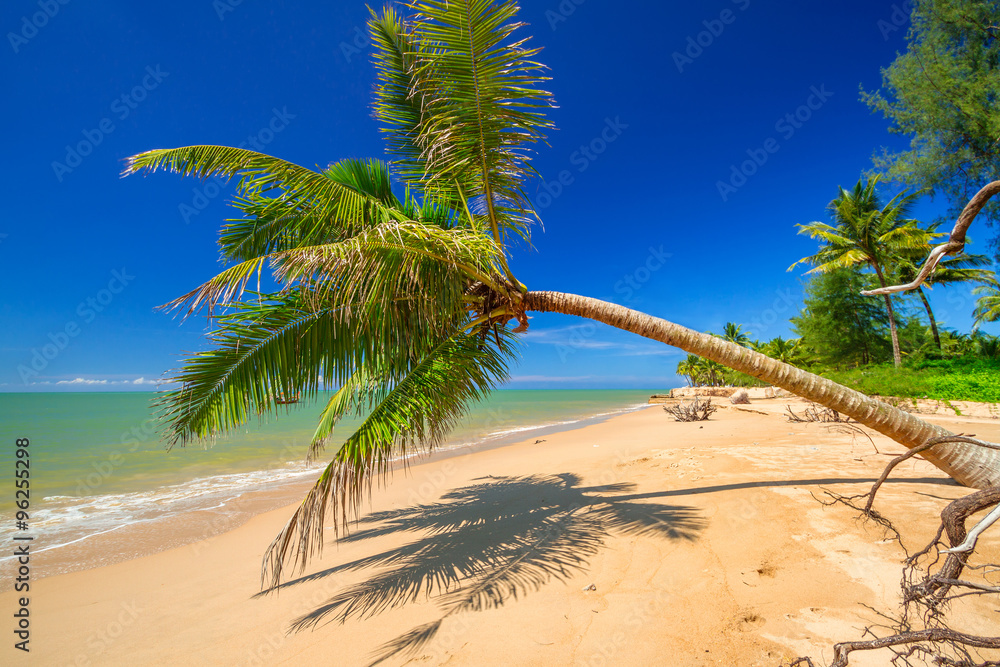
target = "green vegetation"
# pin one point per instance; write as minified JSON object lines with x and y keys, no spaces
{"x":838,"y":326}
{"x":847,"y":337}
{"x":959,"y":379}
{"x":843,"y":336}
{"x":987,"y":304}
{"x":942,"y":93}
{"x":870,"y":234}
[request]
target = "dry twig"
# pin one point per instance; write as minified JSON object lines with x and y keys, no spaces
{"x":695,"y":411}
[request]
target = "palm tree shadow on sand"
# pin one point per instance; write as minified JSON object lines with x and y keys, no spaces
{"x":487,"y":543}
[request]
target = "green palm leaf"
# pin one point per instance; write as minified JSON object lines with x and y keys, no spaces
{"x":461,"y":101}
{"x":385,"y":264}
{"x":321,"y":206}
{"x":281,"y":346}
{"x":987,"y":305}
{"x":279,"y":223}
{"x":413,"y":409}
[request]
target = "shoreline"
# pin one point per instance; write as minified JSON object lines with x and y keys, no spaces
{"x":158,"y":533}
{"x":621,"y":542}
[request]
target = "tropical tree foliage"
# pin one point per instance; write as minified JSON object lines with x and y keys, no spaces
{"x":952,"y":270}
{"x":941,"y":93}
{"x":987,"y":304}
{"x":405,"y":304}
{"x":866,"y":232}
{"x":734,"y":334}
{"x":838,"y":327}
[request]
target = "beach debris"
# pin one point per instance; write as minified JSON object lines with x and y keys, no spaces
{"x":816,"y":413}
{"x":696,"y":411}
{"x":740,"y":398}
{"x":591,"y":587}
{"x":538,"y":441}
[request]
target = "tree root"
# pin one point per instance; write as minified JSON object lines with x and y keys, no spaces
{"x":922,"y":632}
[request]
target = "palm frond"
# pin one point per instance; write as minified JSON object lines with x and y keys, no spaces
{"x":987,"y":305}
{"x":461,"y":100}
{"x":387,"y":262}
{"x":415,"y":409}
{"x":319,"y":204}
{"x":262,"y":351}
{"x":279,"y":223}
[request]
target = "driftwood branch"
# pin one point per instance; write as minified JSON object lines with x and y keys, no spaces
{"x":954,"y":244}
{"x":843,"y":650}
{"x":817,"y":413}
{"x":697,"y":411}
{"x":913,"y":452}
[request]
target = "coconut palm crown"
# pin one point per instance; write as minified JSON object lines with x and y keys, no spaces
{"x":407,"y":304}
{"x":867,"y":232}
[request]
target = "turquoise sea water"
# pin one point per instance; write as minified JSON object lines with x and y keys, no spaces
{"x":97,"y":460}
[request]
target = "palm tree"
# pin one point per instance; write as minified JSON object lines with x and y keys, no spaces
{"x":734,"y":334}
{"x":781,"y":349}
{"x":866,"y":232}
{"x":711,"y":372}
{"x":987,"y":305}
{"x":963,"y":268}
{"x":404,"y":304}
{"x":688,"y":369}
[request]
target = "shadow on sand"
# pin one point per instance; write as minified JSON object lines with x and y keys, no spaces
{"x":487,"y":543}
{"x":501,"y":538}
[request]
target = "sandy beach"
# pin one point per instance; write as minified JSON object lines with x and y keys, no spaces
{"x":635,"y":541}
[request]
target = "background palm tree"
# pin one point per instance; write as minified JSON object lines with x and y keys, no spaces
{"x":987,"y":305}
{"x":711,"y":372}
{"x":688,"y":369}
{"x":781,"y":349}
{"x":866,"y":232}
{"x":404,"y":304}
{"x":734,"y":334}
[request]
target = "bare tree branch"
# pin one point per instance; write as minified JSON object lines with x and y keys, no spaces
{"x":843,"y":650}
{"x":955,"y":243}
{"x":930,"y":585}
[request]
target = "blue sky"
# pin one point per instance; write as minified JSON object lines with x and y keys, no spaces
{"x":657,"y":103}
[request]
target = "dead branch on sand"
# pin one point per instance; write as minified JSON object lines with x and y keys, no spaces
{"x":740,"y":398}
{"x":691,"y":412}
{"x":817,"y":413}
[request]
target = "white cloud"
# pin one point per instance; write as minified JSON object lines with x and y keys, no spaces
{"x":87,"y":382}
{"x":659,"y":351}
{"x":579,"y":336}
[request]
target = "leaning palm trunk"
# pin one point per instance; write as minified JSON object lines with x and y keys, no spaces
{"x":967,"y":464}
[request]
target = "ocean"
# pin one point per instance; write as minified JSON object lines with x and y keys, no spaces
{"x":97,"y":464}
